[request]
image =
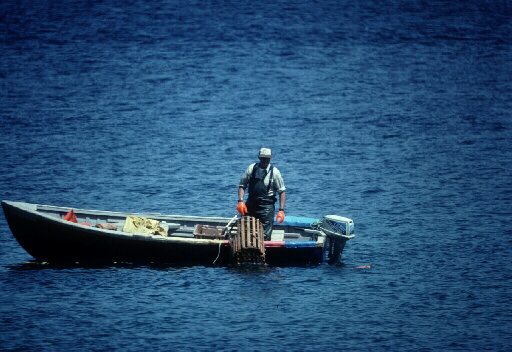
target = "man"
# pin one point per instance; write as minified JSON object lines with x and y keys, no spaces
{"x":264,"y":181}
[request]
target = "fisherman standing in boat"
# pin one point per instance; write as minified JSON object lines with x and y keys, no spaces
{"x":264,"y":181}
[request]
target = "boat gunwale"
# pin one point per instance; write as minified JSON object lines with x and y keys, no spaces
{"x":41,"y":207}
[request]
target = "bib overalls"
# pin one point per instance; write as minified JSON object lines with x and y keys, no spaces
{"x":259,"y":203}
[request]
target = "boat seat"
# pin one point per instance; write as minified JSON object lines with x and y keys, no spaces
{"x":170,"y":226}
{"x":181,"y":234}
{"x":277,"y":235}
{"x":314,"y":232}
{"x":289,"y":236}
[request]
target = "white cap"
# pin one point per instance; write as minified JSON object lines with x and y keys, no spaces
{"x":265,"y":153}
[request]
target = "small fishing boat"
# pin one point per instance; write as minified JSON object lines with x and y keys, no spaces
{"x":44,"y":232}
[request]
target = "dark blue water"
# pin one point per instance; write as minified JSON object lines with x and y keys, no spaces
{"x":396,"y":114}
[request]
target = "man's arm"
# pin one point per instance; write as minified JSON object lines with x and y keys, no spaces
{"x":282,"y":199}
{"x":241,"y":207}
{"x":280,"y":213}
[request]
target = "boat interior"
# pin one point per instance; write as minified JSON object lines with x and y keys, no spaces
{"x":174,"y":225}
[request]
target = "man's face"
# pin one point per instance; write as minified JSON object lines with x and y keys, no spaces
{"x":264,"y":162}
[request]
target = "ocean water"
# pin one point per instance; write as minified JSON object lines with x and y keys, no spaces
{"x":396,"y":114}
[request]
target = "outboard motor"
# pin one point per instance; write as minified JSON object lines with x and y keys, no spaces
{"x":338,"y":230}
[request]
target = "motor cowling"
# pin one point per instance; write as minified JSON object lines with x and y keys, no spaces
{"x":338,"y":227}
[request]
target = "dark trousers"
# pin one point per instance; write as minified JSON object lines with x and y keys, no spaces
{"x":265,"y":214}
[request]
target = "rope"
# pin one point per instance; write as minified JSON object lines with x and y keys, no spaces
{"x":220,"y":244}
{"x":225,"y":231}
{"x":316,"y":225}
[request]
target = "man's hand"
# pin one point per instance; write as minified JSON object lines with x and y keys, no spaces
{"x":280,"y":216}
{"x":242,"y":209}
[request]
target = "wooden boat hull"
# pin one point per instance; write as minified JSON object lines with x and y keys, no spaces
{"x":55,"y":240}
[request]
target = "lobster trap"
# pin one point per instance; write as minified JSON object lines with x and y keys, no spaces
{"x":247,"y":241}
